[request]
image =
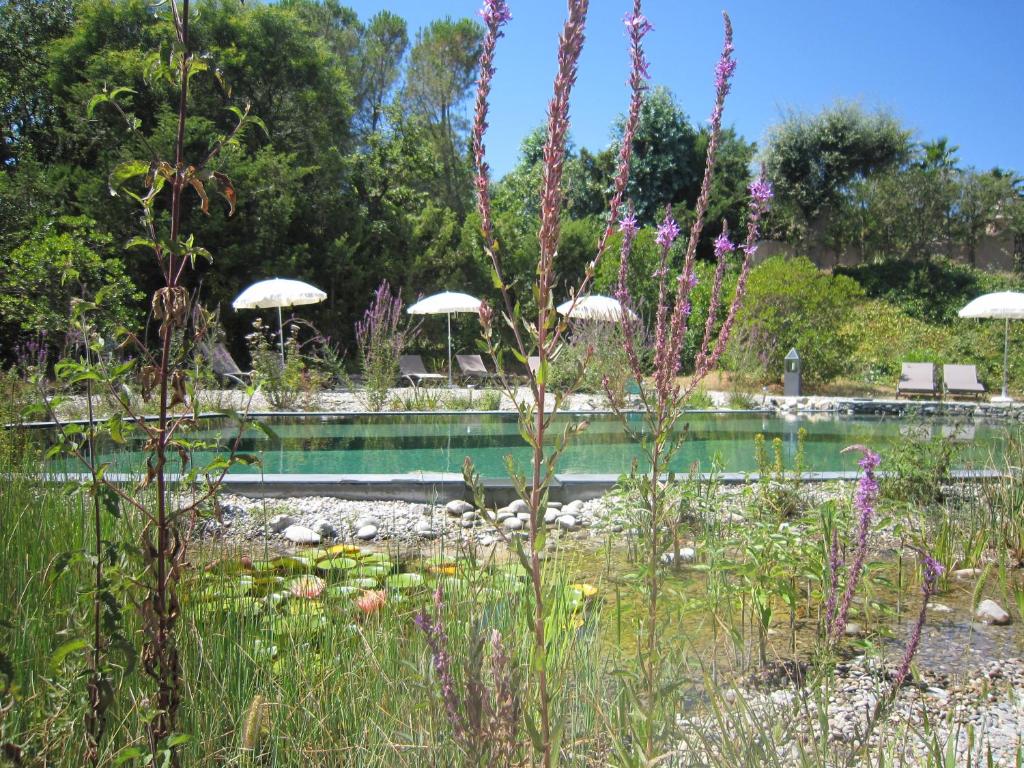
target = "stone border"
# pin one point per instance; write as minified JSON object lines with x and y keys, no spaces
{"x":440,"y":488}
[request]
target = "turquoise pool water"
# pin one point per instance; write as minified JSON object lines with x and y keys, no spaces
{"x":406,"y":443}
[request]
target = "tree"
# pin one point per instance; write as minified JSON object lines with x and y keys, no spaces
{"x":441,"y":70}
{"x":666,"y":166}
{"x":983,"y":201}
{"x":26,"y":106}
{"x":381,"y":50}
{"x":57,"y":262}
{"x":812,"y":162}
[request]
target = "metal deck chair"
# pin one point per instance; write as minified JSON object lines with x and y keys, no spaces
{"x":411,"y":367}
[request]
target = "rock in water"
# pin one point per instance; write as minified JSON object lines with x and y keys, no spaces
{"x":300,"y":534}
{"x":458,"y":507}
{"x":325,"y":528}
{"x":990,"y":612}
{"x":684,"y":555}
{"x":425,"y":530}
{"x":367,"y":532}
{"x":279,"y":522}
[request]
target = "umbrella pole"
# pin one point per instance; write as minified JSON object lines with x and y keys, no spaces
{"x":449,"y":349}
{"x":280,"y":333}
{"x":1006,"y":354}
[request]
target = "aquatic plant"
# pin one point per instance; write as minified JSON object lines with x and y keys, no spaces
{"x":164,"y":374}
{"x":864,"y":505}
{"x":381,"y":339}
{"x":543,"y":335}
{"x":662,"y":397}
{"x":484,"y":720}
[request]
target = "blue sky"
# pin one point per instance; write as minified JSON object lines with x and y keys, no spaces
{"x":943,"y":68}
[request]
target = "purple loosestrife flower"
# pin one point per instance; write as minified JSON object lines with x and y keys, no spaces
{"x":628,"y":225}
{"x":723,"y":245}
{"x":761,"y":191}
{"x":495,"y":14}
{"x":667,"y":232}
{"x":637,"y":27}
{"x":864,"y":504}
{"x":437,"y":641}
{"x":932,"y":571}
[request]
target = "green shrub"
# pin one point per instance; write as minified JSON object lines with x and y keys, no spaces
{"x":599,"y":347}
{"x":883,"y":336}
{"x":933,"y":290}
{"x":790,"y":303}
{"x":288,"y":384}
{"x":917,"y":467}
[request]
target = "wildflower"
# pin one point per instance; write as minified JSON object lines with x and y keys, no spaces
{"x":495,"y":13}
{"x":723,"y":245}
{"x":932,"y":571}
{"x":761,"y":191}
{"x":667,"y":232}
{"x":628,"y":225}
{"x":864,"y":504}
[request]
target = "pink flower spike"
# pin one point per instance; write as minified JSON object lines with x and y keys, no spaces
{"x":667,"y":232}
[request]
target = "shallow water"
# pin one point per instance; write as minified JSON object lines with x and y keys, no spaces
{"x":439,"y":443}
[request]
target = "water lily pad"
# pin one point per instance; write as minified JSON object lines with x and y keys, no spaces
{"x":344,"y":550}
{"x":371,"y":571}
{"x":290,"y":564}
{"x":376,"y":558}
{"x":364,"y":582}
{"x":586,"y":591}
{"x":312,"y":555}
{"x":443,"y":569}
{"x":342,"y":590}
{"x":337,"y":564}
{"x":404,"y":581}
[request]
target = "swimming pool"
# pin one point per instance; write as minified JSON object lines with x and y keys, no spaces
{"x":377,"y":444}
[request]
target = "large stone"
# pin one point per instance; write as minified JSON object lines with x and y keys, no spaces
{"x":425,"y":530}
{"x":573,"y":507}
{"x":990,"y":612}
{"x":684,"y":555}
{"x":966,"y":574}
{"x":300,"y":534}
{"x":503,"y":515}
{"x":513,"y":523}
{"x":518,"y":506}
{"x":365,"y":520}
{"x":367,"y":532}
{"x":325,"y":528}
{"x":567,"y":523}
{"x":552,"y":515}
{"x":279,"y":522}
{"x":470,"y":517}
{"x":458,"y":507}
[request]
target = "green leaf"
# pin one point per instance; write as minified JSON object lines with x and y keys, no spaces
{"x":126,"y":171}
{"x":71,"y":646}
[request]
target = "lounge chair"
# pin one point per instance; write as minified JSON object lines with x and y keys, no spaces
{"x":224,"y":365}
{"x":411,"y":367}
{"x":472,"y":367}
{"x":961,"y":380}
{"x":917,"y":379}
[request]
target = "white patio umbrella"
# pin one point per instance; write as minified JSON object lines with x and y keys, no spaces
{"x":446,"y":303}
{"x":1003,"y":305}
{"x":594,"y":308}
{"x":267,"y":294}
